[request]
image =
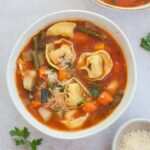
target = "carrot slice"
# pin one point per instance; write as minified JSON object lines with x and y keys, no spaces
{"x":99,"y":46}
{"x":89,"y":107}
{"x":36,"y":104}
{"x":63,"y":74}
{"x":105,"y":98}
{"x":80,"y":37}
{"x":42,"y":72}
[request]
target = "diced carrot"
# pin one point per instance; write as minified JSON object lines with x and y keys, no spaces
{"x":80,"y":37}
{"x":36,"y":104}
{"x":42,"y":72}
{"x":113,"y":86}
{"x":89,"y":107}
{"x":99,"y":46}
{"x":105,"y":98}
{"x":63,"y":74}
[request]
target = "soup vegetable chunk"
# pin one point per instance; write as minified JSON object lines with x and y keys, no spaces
{"x":71,"y":75}
{"x":127,"y":3}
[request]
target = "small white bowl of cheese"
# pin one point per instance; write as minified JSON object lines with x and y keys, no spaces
{"x":133,"y":135}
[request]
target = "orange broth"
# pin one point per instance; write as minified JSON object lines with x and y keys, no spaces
{"x":82,"y":43}
{"x":127,"y":3}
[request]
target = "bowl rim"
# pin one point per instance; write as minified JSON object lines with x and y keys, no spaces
{"x":62,"y":134}
{"x":104,"y":4}
{"x":124,"y":126}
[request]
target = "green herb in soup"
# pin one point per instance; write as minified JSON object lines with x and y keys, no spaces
{"x":71,"y":75}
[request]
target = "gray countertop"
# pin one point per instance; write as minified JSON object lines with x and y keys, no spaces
{"x":17,"y":15}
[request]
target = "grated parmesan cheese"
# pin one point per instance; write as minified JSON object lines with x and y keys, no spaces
{"x":136,"y":140}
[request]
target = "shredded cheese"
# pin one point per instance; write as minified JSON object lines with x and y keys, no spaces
{"x":136,"y":140}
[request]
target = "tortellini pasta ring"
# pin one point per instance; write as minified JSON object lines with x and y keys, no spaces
{"x":97,"y":64}
{"x":59,"y":52}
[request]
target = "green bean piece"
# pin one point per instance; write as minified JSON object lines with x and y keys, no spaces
{"x":90,"y":32}
{"x":35,"y":42}
{"x":35,"y":59}
{"x":42,"y":35}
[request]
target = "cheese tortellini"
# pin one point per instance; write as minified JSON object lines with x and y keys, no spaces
{"x":97,"y":64}
{"x":71,"y":122}
{"x":65,"y":29}
{"x":76,"y":92}
{"x":60,"y":52}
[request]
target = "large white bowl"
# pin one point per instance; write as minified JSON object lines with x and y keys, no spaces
{"x":104,"y":23}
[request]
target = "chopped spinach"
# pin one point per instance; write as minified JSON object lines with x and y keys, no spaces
{"x":61,"y":88}
{"x":94,"y":92}
{"x":94,"y":88}
{"x":79,"y":104}
{"x":69,"y":64}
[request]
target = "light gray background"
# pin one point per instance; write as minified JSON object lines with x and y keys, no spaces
{"x":17,"y":15}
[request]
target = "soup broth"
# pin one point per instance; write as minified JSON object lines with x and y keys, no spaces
{"x":71,"y":75}
{"x":127,"y":3}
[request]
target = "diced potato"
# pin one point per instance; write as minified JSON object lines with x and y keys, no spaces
{"x":28,"y":83}
{"x":45,"y":114}
{"x":113,"y":86}
{"x":105,"y":98}
{"x":27,"y":55}
{"x":29,"y":79}
{"x":62,"y":28}
{"x":32,"y":73}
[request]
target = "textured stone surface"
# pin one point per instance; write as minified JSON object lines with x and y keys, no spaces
{"x":17,"y":15}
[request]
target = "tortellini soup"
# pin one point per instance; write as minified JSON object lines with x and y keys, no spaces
{"x":71,"y":75}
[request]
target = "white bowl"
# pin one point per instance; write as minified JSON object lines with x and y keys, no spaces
{"x":104,"y":23}
{"x":131,"y":125}
{"x":123,"y":8}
